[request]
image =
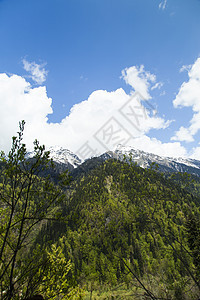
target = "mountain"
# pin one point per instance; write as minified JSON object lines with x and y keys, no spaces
{"x":123,"y":225}
{"x":145,"y":159}
{"x":64,"y":156}
{"x":118,"y":224}
{"x":65,"y":159}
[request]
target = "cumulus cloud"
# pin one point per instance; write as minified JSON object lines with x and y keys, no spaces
{"x":183,"y":134}
{"x":38,"y":72}
{"x":139,"y":79}
{"x":19,"y":101}
{"x":189,"y":96}
{"x":155,"y":146}
{"x":93,"y":126}
{"x":195,"y":153}
{"x":162,"y":5}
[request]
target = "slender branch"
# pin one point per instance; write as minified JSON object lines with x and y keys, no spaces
{"x":18,"y":243}
{"x":151,"y":295}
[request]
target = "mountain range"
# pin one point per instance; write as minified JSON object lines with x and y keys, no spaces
{"x":125,"y":228}
{"x":65,"y":159}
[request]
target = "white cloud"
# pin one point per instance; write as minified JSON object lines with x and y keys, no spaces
{"x":183,"y":135}
{"x":87,"y":120}
{"x":19,"y":101}
{"x":189,"y":96}
{"x":139,"y":79}
{"x":153,"y":145}
{"x":38,"y":72}
{"x":185,"y":68}
{"x":195,"y":153}
{"x":158,"y":85}
{"x":162,"y":5}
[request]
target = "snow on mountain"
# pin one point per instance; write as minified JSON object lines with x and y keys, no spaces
{"x":69,"y":160}
{"x":61,"y":156}
{"x":145,"y":159}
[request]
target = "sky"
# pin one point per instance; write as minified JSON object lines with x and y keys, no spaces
{"x":87,"y":75}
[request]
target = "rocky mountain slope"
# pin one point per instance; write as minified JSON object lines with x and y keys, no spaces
{"x":65,"y":159}
{"x":145,"y":159}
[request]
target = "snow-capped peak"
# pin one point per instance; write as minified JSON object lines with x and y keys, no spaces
{"x":144,"y":159}
{"x":61,"y":156}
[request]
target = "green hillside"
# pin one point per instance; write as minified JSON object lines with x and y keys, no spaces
{"x":128,"y":225}
{"x":116,"y":231}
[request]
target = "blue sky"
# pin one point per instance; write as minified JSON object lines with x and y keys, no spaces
{"x":68,"y":67}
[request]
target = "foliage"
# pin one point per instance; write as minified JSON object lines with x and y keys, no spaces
{"x":54,"y":278}
{"x":126,"y":224}
{"x":193,"y":234}
{"x":26,"y":202}
{"x":116,"y":225}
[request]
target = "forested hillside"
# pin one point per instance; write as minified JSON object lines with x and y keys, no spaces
{"x":115,"y":231}
{"x":128,"y":225}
